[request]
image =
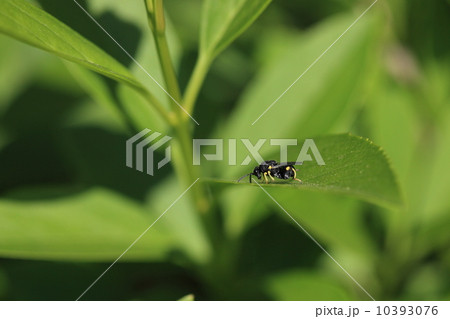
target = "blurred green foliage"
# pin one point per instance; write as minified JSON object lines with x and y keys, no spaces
{"x":69,"y":206}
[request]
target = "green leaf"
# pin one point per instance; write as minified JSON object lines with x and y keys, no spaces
{"x":305,"y":285}
{"x":319,"y":103}
{"x":133,"y":13}
{"x":95,"y":225}
{"x":392,"y":122}
{"x":224,"y":20}
{"x":25,"y":22}
{"x":17,"y":65}
{"x":243,"y":209}
{"x":316,"y":211}
{"x":320,"y":100}
{"x":396,"y":120}
{"x":353,"y":166}
{"x":433,"y":182}
{"x":316,"y":101}
{"x":189,"y":297}
{"x":137,"y":109}
{"x":184,"y":222}
{"x":95,"y":86}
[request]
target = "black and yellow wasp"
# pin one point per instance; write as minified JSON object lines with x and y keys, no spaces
{"x":273,"y":169}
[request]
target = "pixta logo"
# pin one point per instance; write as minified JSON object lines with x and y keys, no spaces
{"x":141,"y":149}
{"x":308,"y":147}
{"x":140,"y":142}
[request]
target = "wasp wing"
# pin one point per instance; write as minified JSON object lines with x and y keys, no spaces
{"x":287,"y":164}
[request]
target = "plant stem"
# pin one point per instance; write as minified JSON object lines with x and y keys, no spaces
{"x":196,"y":82}
{"x":184,"y":167}
{"x":155,"y":13}
{"x":167,"y":68}
{"x":182,"y":150}
{"x":191,"y":171}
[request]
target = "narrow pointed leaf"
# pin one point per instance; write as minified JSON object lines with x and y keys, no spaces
{"x":27,"y":23}
{"x":224,"y":20}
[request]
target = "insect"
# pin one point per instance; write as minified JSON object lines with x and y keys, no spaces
{"x":273,"y":169}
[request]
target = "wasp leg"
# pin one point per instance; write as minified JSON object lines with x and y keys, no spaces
{"x":271,"y":177}
{"x":265,"y":178}
{"x":295,"y":176}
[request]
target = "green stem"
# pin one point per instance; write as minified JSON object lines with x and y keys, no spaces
{"x":186,"y":171}
{"x":195,"y":82}
{"x":182,"y":155}
{"x":167,"y":68}
{"x":156,"y":20}
{"x":190,"y":171}
{"x":164,"y":53}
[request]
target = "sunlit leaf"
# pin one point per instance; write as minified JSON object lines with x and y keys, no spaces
{"x":189,"y":297}
{"x":224,"y":20}
{"x":319,"y":103}
{"x":184,"y":223}
{"x":319,"y":100}
{"x":304,"y":285}
{"x":353,"y":166}
{"x":25,"y":22}
{"x":95,"y":225}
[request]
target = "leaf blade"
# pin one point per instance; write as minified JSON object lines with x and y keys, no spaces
{"x":305,"y":285}
{"x":27,"y":23}
{"x":95,"y":225}
{"x":224,"y":20}
{"x":353,"y":166}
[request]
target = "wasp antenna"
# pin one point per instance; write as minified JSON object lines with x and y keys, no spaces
{"x":243,"y":177}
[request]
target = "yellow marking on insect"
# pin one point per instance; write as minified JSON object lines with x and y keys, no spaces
{"x":295,"y":177}
{"x":288,"y":168}
{"x":270,"y":167}
{"x":268,"y":173}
